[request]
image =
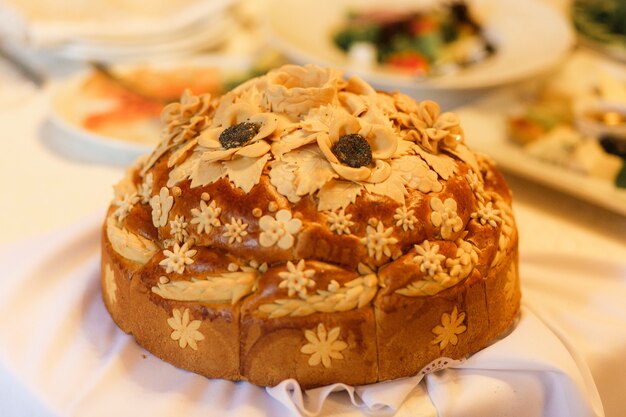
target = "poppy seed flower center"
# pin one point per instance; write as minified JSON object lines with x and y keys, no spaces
{"x":238,"y":135}
{"x":353,"y":150}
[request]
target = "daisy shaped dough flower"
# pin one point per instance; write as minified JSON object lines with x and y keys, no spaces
{"x":358,"y":151}
{"x":405,"y":218}
{"x":463,"y":263}
{"x":444,"y":216}
{"x":185,"y":331}
{"x":176,"y":259}
{"x":235,"y":230}
{"x":476,"y":184}
{"x":378,"y":240}
{"x":145,"y":189}
{"x":125,"y":205}
{"x":451,"y":326}
{"x":339,"y":222}
{"x":433,"y":130}
{"x":206,"y":217}
{"x":279,"y":231}
{"x":487,"y":214}
{"x":296,"y":279}
{"x":323,"y":346}
{"x":428,"y":258}
{"x":178,"y":228}
{"x":161,"y":205}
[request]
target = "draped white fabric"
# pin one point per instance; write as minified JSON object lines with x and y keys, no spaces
{"x":61,"y":354}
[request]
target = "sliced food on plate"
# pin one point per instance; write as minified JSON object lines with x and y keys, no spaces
{"x":581,"y":129}
{"x":120,"y":106}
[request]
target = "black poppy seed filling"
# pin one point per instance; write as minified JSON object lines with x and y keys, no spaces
{"x":239,"y":134}
{"x":353,"y":150}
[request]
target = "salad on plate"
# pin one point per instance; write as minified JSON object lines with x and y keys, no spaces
{"x":438,"y":40}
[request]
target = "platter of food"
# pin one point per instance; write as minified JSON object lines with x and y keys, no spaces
{"x":434,"y":45}
{"x":568,"y":138}
{"x":601,"y":24}
{"x":119,"y":107}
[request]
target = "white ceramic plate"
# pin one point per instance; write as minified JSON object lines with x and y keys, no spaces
{"x":104,"y":21}
{"x":206,"y":35}
{"x":70,"y":106}
{"x":530,"y":38}
{"x":484,"y":124}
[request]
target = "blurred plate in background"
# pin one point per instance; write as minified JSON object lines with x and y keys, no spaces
{"x":203,"y":36}
{"x":486,"y":128}
{"x":41,"y":23}
{"x":530,"y":37}
{"x":124,"y":117}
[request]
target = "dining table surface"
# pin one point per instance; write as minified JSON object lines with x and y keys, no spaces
{"x":55,"y":186}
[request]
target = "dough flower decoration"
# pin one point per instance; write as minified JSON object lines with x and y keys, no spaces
{"x":378,"y":241}
{"x":178,"y":229}
{"x":294,"y":90}
{"x":463,"y":263}
{"x":339,"y":222}
{"x":206,"y":217}
{"x":125,"y":205}
{"x":433,"y":130}
{"x":176,"y":259}
{"x":357,"y":99}
{"x":161,"y":205}
{"x":185,"y":330}
{"x":183,"y":121}
{"x":238,"y":128}
{"x":145,"y":188}
{"x":451,"y":326}
{"x":237,"y":142}
{"x":477,"y":186}
{"x":279,"y":231}
{"x":235,"y":230}
{"x":297,"y":279}
{"x":428,"y":258}
{"x":323,"y":346}
{"x":358,"y":151}
{"x":487,"y":214}
{"x":351,"y":155}
{"x":404,"y":106}
{"x":405,"y":218}
{"x":440,"y":271}
{"x":444,"y":216}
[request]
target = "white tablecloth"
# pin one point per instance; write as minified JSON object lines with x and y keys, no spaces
{"x":61,"y":354}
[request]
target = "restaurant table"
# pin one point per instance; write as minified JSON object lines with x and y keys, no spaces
{"x":54,"y":192}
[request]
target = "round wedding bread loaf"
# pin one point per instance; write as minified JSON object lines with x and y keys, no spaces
{"x":307,"y":226}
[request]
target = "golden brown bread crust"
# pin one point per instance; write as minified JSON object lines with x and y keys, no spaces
{"x":250,"y":280}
